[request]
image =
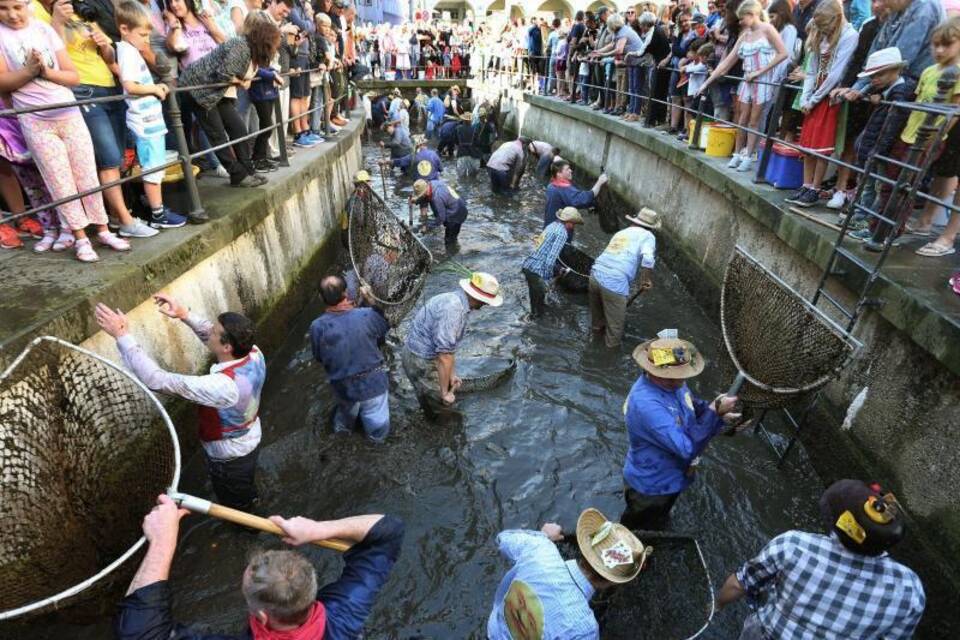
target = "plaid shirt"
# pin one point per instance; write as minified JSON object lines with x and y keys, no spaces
{"x":544,"y":259}
{"x":814,"y":588}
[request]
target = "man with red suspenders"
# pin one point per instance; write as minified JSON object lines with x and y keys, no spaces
{"x":229,"y":396}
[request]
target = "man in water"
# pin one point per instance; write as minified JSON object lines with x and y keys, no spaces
{"x":355,"y":203}
{"x":545,"y":596}
{"x":840,"y":585}
{"x":447,"y":143}
{"x":426,"y":162}
{"x":401,"y":148}
{"x":228,"y":396}
{"x":279,"y":586}
{"x":561,"y":192}
{"x":436,"y":331}
{"x":347,"y":341}
{"x":668,"y":429}
{"x":486,"y":134}
{"x":507,"y":164}
{"x":435,"y":113}
{"x":546,"y":154}
{"x":449,"y":209}
{"x":468,"y":155}
{"x":539,"y":267}
{"x":614,"y":270}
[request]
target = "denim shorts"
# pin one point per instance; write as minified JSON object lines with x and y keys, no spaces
{"x":151,"y":152}
{"x":106,"y":122}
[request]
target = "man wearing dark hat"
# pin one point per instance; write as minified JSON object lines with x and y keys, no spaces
{"x":449,"y":209}
{"x":539,"y":267}
{"x":545,"y":596}
{"x":347,"y":341}
{"x":614,"y":270}
{"x":426,"y":162}
{"x":840,"y":585}
{"x":668,"y":429}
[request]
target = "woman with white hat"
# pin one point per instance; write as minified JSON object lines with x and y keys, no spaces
{"x":614,"y":271}
{"x":436,"y":331}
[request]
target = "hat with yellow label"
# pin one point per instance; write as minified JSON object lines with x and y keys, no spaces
{"x":483,"y":287}
{"x":612,"y":550}
{"x":670,"y":358}
{"x":866,"y":519}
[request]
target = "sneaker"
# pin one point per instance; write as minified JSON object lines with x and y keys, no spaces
{"x":46,"y":243}
{"x":218,"y":172}
{"x":794,"y":198}
{"x":735,"y":162}
{"x":168,"y":220}
{"x":138,"y":229}
{"x":251,"y":181}
{"x":265,"y":166}
{"x":303,"y":141}
{"x":837,"y":200}
{"x":861,"y":234}
{"x":30,"y":227}
{"x":113,"y":223}
{"x":808,"y":198}
{"x":746,"y":164}
{"x":111,"y":240}
{"x":9,"y":238}
{"x":85,"y":252}
{"x":315,"y":138}
{"x":198,"y":217}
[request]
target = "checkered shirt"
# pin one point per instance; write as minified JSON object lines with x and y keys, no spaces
{"x":544,"y":259}
{"x":808,"y":586}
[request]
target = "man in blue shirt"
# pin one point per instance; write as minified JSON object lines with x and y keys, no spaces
{"x":280,"y":587}
{"x":448,"y":207}
{"x":347,"y":341}
{"x":436,"y":331}
{"x":534,"y":58}
{"x":614,"y":270}
{"x":435,"y":111}
{"x":668,"y":430}
{"x":539,"y":267}
{"x":561,"y":192}
{"x":447,"y":144}
{"x":545,"y":596}
{"x":426,"y":162}
{"x":401,"y":148}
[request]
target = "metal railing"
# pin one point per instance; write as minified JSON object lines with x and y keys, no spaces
{"x":184,"y":156}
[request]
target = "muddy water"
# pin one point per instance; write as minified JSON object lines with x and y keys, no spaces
{"x":541,"y":447}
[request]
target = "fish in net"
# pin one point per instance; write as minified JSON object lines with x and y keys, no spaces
{"x":85,"y":449}
{"x":386,"y":256}
{"x":783,"y":346}
{"x":577,"y":279}
{"x":671,"y":599}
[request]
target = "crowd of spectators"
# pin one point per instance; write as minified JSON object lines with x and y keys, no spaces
{"x":841,"y":64}
{"x":422,"y":49}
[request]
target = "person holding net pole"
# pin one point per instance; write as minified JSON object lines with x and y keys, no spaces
{"x":540,"y":266}
{"x":278,"y":586}
{"x":228,"y":397}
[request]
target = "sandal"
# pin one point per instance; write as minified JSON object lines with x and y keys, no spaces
{"x":85,"y":252}
{"x":917,"y":231}
{"x":46,"y":243}
{"x":934,"y":250}
{"x":109,"y":239}
{"x":64,"y":242}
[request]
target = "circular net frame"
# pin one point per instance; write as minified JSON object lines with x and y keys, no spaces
{"x":386,"y":255}
{"x":579,"y":263}
{"x":85,"y":449}
{"x":785,"y":347}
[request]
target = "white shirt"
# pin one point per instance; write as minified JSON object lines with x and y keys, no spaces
{"x":144,"y":114}
{"x":616,"y":267}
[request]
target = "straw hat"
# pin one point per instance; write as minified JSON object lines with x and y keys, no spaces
{"x":483,"y":287}
{"x":646,"y":217}
{"x":466,"y":117}
{"x":361,"y":176}
{"x":420,"y":189}
{"x":569,"y":214}
{"x":418,"y":140}
{"x":611,"y":549}
{"x":396,"y":91}
{"x":880,"y":61}
{"x":406,"y":103}
{"x":455,"y":88}
{"x":669,"y":358}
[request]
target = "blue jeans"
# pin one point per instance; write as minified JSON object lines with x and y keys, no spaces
{"x":107,"y":123}
{"x":374,"y":413}
{"x":316,"y":100}
{"x":584,"y":89}
{"x":635,"y":80}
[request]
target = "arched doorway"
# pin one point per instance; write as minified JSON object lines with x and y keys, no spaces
{"x":602,"y":3}
{"x":453,"y":10}
{"x":554,"y":9}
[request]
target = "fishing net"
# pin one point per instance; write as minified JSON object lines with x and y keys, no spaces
{"x":483,"y":373}
{"x":84,"y":451}
{"x":386,"y":255}
{"x":609,"y":210}
{"x":579,"y":263}
{"x":784,"y":346}
{"x":671,"y":599}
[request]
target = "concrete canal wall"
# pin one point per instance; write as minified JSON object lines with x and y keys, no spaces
{"x":894,"y":414}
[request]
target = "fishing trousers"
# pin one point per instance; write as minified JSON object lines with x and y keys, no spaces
{"x":233,"y":480}
{"x":608,"y":312}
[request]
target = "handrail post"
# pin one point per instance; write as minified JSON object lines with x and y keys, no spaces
{"x":280,"y":127}
{"x":772,"y":120}
{"x":196,"y":212}
{"x":698,"y":126}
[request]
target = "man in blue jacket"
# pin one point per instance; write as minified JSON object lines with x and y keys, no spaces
{"x":561,"y":192}
{"x":668,"y":430}
{"x":448,"y":207}
{"x":426,"y":162}
{"x":280,"y":587}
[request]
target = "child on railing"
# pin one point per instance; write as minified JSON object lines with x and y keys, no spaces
{"x":36,"y":71}
{"x":761,"y":49}
{"x":696,"y":70}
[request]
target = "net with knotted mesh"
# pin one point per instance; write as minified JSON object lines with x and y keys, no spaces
{"x":386,"y":255}
{"x":579,"y":264}
{"x":784,"y":346}
{"x":85,"y":449}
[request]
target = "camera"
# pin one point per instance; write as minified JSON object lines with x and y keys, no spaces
{"x":86,"y":12}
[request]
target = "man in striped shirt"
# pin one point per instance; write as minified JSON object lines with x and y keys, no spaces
{"x":539,"y":266}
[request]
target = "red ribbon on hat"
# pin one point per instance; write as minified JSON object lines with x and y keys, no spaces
{"x":483,"y":293}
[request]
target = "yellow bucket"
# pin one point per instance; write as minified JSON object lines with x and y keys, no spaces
{"x":704,"y":133}
{"x":721,"y":140}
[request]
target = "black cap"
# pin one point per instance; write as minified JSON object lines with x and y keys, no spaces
{"x":867,"y":520}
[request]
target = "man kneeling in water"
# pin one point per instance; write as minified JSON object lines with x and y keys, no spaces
{"x":280,"y":587}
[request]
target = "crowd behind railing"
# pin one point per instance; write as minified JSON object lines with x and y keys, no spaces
{"x":848,"y":86}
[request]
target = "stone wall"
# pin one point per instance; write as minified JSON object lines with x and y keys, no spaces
{"x":894,"y":413}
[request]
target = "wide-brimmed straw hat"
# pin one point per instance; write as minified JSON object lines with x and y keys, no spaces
{"x":483,"y":287}
{"x":361,"y":176}
{"x":881,"y":60}
{"x":610,"y":548}
{"x":569,"y":214}
{"x":669,"y":358}
{"x":646,"y":217}
{"x":420,"y":189}
{"x":396,"y":91}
